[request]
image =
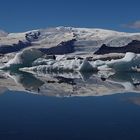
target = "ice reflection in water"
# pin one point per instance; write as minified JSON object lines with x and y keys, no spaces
{"x":71,"y":84}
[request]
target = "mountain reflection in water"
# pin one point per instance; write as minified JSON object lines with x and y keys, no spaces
{"x":70,"y":84}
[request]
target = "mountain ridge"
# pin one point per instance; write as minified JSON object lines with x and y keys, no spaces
{"x":87,"y":39}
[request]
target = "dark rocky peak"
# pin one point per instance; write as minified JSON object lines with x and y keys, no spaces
{"x":133,"y":46}
{"x":32,"y":36}
{"x":63,"y":48}
{"x":134,"y":42}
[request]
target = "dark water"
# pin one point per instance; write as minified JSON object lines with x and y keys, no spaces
{"x":32,"y":117}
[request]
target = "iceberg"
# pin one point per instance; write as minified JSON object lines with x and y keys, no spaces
{"x":128,"y":63}
{"x":61,"y":64}
{"x":22,"y":59}
{"x":54,"y":65}
{"x":86,"y":67}
{"x":34,"y":60}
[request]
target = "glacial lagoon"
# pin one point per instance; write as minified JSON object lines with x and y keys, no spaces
{"x":69,"y":106}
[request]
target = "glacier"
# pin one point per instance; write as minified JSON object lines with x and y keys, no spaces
{"x":65,"y":56}
{"x":85,"y":40}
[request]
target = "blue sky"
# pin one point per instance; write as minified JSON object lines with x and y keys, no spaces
{"x":22,"y":15}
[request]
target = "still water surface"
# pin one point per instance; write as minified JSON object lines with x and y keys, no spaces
{"x":33,"y":117}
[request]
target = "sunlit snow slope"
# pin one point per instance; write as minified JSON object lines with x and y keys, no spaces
{"x":85,"y":39}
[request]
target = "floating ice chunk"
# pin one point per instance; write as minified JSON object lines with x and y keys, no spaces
{"x":104,"y":68}
{"x":61,"y":66}
{"x":54,"y":65}
{"x":98,"y":63}
{"x":43,"y":61}
{"x":67,"y":65}
{"x":130,"y":62}
{"x":60,"y":57}
{"x":125,"y":64}
{"x":86,"y":67}
{"x":129,"y":56}
{"x":22,"y":59}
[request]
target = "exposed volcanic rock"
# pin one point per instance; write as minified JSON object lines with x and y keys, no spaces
{"x":62,"y":48}
{"x":63,"y":40}
{"x":133,"y":46}
{"x":14,"y":47}
{"x":32,"y":36}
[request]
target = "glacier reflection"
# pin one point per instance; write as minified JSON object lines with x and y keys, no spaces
{"x":70,"y":84}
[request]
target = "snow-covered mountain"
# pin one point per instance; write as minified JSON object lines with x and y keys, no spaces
{"x":85,"y":40}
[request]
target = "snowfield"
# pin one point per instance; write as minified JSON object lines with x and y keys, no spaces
{"x":88,"y":40}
